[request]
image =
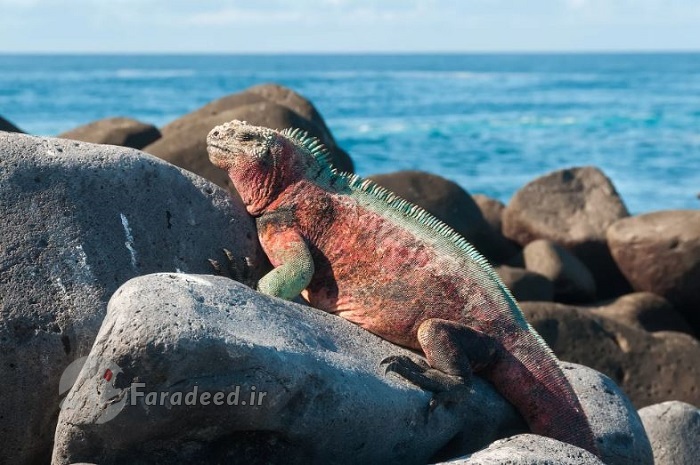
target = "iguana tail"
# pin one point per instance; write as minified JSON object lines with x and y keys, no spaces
{"x":540,"y":391}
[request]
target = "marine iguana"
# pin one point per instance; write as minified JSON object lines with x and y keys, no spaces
{"x":354,"y":249}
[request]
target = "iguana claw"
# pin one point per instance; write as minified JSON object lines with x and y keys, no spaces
{"x":229,"y":255}
{"x":229,"y":269}
{"x":446,"y":389}
{"x":216,"y":265}
{"x":421,"y":374}
{"x":391,"y":360}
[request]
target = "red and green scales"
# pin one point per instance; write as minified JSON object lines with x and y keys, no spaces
{"x":356,"y":250}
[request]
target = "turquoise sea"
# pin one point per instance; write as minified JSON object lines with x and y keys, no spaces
{"x":490,"y":122}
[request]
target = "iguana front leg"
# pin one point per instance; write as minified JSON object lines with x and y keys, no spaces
{"x":289,"y":254}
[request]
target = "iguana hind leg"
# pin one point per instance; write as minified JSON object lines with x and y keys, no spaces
{"x":455,"y":348}
{"x":453,"y":351}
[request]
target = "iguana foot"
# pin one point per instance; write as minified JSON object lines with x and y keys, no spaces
{"x":421,"y":374}
{"x":446,"y":389}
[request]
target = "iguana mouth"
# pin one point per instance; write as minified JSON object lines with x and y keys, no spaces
{"x":219,"y":147}
{"x":219,"y":156}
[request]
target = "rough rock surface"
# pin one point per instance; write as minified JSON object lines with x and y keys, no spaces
{"x":184,"y":140}
{"x":78,"y":220}
{"x":7,"y":126}
{"x":649,"y":367}
{"x":659,"y":252}
{"x":126,"y":132}
{"x":573,"y":208}
{"x":674,"y":431}
{"x":451,"y":204}
{"x":528,"y":449}
{"x":617,"y":427}
{"x":573,"y":282}
{"x":526,"y":285}
{"x":643,"y":310}
{"x":327,"y":397}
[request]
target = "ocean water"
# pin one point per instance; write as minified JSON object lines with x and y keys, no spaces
{"x":489,"y":122}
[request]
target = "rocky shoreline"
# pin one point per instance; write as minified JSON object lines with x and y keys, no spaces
{"x":105,"y":255}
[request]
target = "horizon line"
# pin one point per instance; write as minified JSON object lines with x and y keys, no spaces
{"x":360,"y":52}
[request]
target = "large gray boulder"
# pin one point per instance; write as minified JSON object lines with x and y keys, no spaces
{"x":270,"y":105}
{"x":491,"y":209}
{"x":616,"y":425}
{"x":302,"y":106}
{"x":526,"y":285}
{"x":78,"y":220}
{"x":643,"y":310}
{"x":573,"y":282}
{"x":327,"y":398}
{"x":649,"y":367}
{"x":126,"y":132}
{"x":452,"y":205}
{"x":659,"y":252}
{"x":573,"y":208}
{"x":674,"y":431}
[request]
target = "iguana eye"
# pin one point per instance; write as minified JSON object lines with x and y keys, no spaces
{"x":246,"y":137}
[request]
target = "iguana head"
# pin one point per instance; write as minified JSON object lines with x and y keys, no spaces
{"x":261,"y":162}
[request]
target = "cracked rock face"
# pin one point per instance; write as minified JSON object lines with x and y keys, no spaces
{"x":78,"y":221}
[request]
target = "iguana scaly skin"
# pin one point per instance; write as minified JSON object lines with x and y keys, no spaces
{"x":356,"y":250}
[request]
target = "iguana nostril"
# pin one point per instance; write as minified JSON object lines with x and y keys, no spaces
{"x":215,"y":134}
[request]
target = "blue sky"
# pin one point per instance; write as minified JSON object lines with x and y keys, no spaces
{"x":348,"y":26}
